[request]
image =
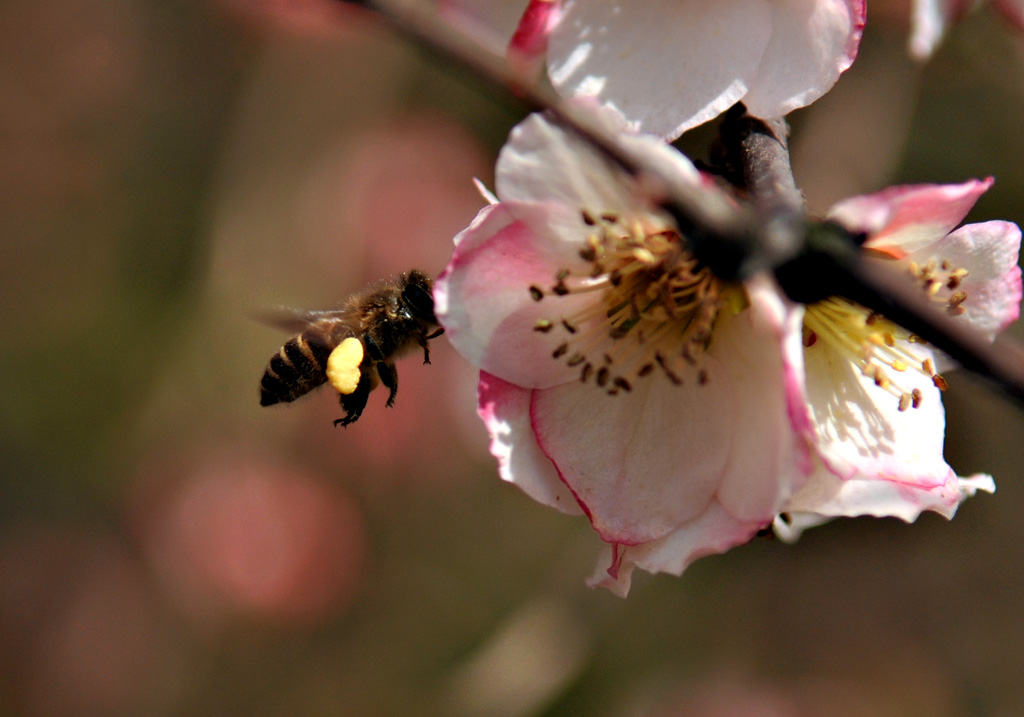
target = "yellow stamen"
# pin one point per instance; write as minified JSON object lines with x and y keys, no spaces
{"x":874,"y":344}
{"x":657,"y":305}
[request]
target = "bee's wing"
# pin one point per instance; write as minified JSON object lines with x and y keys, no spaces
{"x":296,"y":320}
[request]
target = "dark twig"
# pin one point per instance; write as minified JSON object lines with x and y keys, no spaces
{"x":753,"y":155}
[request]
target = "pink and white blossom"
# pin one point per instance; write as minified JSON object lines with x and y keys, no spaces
{"x":671,"y":65}
{"x":682,"y":414}
{"x":698,"y":446}
{"x":872,"y":389}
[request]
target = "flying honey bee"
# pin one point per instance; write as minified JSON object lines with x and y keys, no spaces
{"x":354,"y":347}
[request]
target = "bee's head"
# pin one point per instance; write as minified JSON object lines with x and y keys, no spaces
{"x":416,"y":295}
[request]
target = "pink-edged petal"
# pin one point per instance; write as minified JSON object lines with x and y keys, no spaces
{"x":713,"y":531}
{"x":482,"y":298}
{"x":861,"y":433}
{"x":488,"y":22}
{"x":542,"y":162}
{"x":529,"y":42}
{"x":813,"y":42}
{"x":989,"y":252}
{"x":666,"y":66}
{"x":903,"y":219}
{"x":505,"y":410}
{"x":645,"y":462}
{"x":762,"y":352}
{"x":827,"y":496}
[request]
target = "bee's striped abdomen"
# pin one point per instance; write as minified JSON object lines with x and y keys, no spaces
{"x":297,"y":368}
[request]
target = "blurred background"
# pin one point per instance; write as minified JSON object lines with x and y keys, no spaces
{"x":170,"y":170}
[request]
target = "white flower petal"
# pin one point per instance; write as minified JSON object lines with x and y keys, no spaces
{"x":861,"y":433}
{"x":645,"y":462}
{"x":827,"y":496}
{"x":762,"y":357}
{"x":640,"y":463}
{"x":543,"y":163}
{"x":667,"y":66}
{"x":813,"y":42}
{"x":788,"y":527}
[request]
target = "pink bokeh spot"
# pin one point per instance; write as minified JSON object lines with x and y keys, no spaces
{"x":241,"y":536}
{"x":82,"y":632}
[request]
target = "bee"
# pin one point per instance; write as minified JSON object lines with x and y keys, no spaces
{"x":354,"y":348}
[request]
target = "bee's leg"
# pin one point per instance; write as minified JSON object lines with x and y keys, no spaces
{"x":389,"y":377}
{"x":422,"y":340}
{"x":372,"y":348}
{"x":354,"y":403}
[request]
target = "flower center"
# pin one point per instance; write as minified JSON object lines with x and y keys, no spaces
{"x":651,"y":298}
{"x":882,"y":350}
{"x":941,"y":281}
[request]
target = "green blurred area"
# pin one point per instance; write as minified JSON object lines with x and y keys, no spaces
{"x":171,"y":170}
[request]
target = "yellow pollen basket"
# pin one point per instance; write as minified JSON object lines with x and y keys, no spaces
{"x":343,"y":365}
